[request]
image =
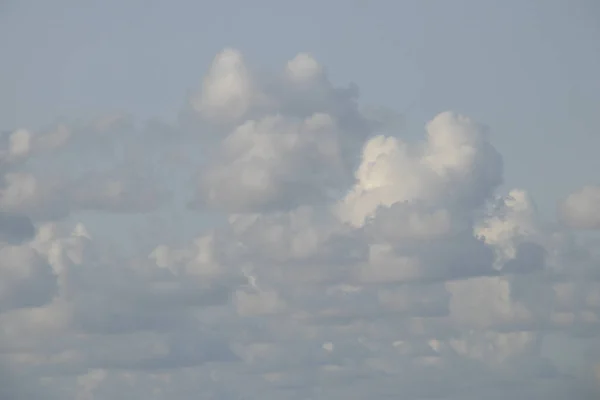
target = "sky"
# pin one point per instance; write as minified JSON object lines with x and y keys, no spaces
{"x":299,"y":200}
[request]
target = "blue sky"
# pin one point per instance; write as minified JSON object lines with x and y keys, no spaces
{"x":237,"y":185}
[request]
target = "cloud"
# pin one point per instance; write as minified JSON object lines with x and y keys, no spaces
{"x":312,"y":252}
{"x":581,"y":209}
{"x":303,"y":68}
{"x":27,"y":281}
{"x":15,"y":146}
{"x":456,"y":167}
{"x":227,"y":91}
{"x":292,"y":139}
{"x":275,"y":164}
{"x":96,"y":165}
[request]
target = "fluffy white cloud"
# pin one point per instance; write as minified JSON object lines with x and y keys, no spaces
{"x":304,"y":68}
{"x":322,"y":258}
{"x":456,"y":167}
{"x":293,"y":139}
{"x":581,"y":209}
{"x":228,"y":90}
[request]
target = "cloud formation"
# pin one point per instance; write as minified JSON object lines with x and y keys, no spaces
{"x":581,"y":209}
{"x":334,"y":259}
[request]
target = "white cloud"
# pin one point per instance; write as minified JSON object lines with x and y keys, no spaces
{"x":322,"y":259}
{"x":275,"y":163}
{"x":304,"y":68}
{"x":456,"y":166}
{"x":581,"y":209}
{"x":227,"y":91}
{"x":291,"y":140}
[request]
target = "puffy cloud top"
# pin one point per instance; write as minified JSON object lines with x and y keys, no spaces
{"x":304,"y":68}
{"x":456,"y":167}
{"x":227,"y":90}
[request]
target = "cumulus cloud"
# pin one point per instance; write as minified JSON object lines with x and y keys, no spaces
{"x":581,"y":209}
{"x":322,"y":256}
{"x":296,"y":144}
{"x":227,"y":91}
{"x":456,"y":167}
{"x":274,"y":164}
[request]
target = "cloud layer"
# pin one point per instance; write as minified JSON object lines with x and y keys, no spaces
{"x":323,"y":256}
